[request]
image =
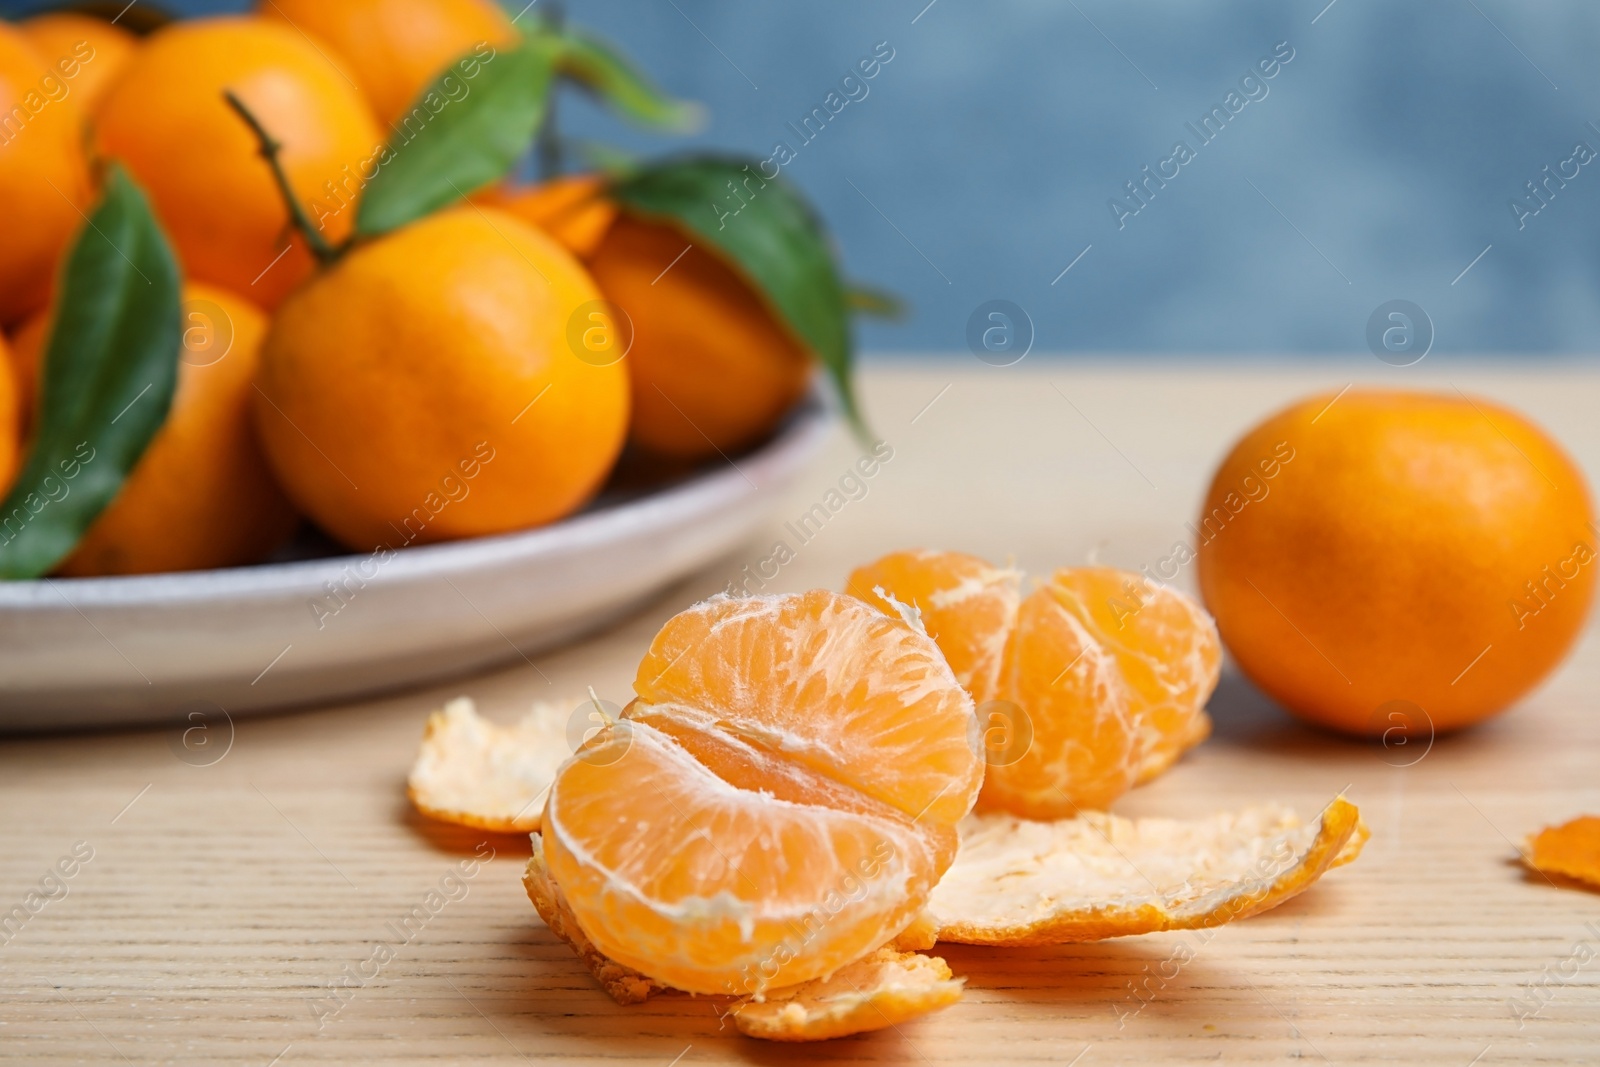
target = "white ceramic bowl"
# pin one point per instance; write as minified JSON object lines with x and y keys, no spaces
{"x":105,"y":651}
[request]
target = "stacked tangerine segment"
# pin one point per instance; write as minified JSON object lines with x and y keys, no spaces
{"x":778,"y":802}
{"x":1094,"y":682}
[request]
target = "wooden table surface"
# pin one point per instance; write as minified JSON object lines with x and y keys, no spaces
{"x":219,"y":906}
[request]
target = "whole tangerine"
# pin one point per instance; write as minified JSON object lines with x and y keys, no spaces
{"x":573,"y":209}
{"x":395,"y":48}
{"x":87,"y":52}
{"x":1380,"y":558}
{"x":712,"y":368}
{"x":201,"y":496}
{"x":423,"y":387}
{"x":166,"y":118}
{"x":10,"y":421}
{"x":23,"y":353}
{"x":44,"y":176}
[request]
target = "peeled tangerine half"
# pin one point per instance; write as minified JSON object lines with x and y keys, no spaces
{"x":1094,"y":682}
{"x":778,"y":802}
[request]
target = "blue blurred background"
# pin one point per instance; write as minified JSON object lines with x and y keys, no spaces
{"x":1380,"y":163}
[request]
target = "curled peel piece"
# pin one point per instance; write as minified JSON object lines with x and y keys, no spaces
{"x":884,"y":989}
{"x":1019,"y":882}
{"x":477,"y":773}
{"x":1571,"y":850}
{"x":625,"y":986}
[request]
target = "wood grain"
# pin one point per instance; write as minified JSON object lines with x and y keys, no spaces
{"x":224,"y":902}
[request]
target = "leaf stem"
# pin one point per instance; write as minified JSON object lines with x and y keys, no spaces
{"x":270,"y":149}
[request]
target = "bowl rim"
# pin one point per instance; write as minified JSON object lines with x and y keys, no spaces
{"x":792,"y":442}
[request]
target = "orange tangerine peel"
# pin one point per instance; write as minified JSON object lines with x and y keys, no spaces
{"x":474,"y":772}
{"x":778,"y":802}
{"x":881,"y":990}
{"x":1094,"y":682}
{"x":622,"y":984}
{"x":1571,"y":850}
{"x":1019,"y":882}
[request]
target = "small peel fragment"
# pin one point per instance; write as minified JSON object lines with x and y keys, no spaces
{"x":623,"y":984}
{"x":1020,"y":882}
{"x":475,"y":772}
{"x":1571,"y":850}
{"x":881,"y":990}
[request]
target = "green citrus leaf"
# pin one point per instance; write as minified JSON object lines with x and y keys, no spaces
{"x":595,"y":67}
{"x":770,"y":234}
{"x":466,"y":130}
{"x":614,"y":163}
{"x":879,"y":303}
{"x":109,"y":372}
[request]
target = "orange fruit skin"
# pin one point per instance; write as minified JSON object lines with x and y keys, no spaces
{"x":423,"y":388}
{"x":1091,"y":684}
{"x":712,"y":370}
{"x":1571,"y":850}
{"x":10,"y":421}
{"x":573,"y":210}
{"x":23,"y":356}
{"x":779,"y":800}
{"x":166,"y":119}
{"x":395,"y":48}
{"x":64,"y":36}
{"x":44,"y":176}
{"x":201,"y":496}
{"x":1393,"y":548}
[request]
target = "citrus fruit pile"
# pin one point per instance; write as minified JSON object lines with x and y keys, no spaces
{"x":292,"y":265}
{"x":783,"y":815}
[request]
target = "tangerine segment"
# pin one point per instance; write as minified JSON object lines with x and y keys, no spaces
{"x":474,"y":772}
{"x":1571,"y":850}
{"x":1018,"y":882}
{"x":1166,"y":650}
{"x":711,"y":887}
{"x":967,"y":606}
{"x":885,"y":989}
{"x":1064,"y":689}
{"x":826,"y":682}
{"x":1093,"y":683}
